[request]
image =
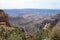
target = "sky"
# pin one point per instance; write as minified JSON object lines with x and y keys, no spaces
{"x":34,"y":4}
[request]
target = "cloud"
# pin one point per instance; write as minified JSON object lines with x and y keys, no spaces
{"x":20,"y":4}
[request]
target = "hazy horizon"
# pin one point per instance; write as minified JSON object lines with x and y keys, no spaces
{"x":18,"y":12}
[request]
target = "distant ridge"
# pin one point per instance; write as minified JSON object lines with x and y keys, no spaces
{"x":17,"y":12}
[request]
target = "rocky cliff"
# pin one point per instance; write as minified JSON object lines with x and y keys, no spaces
{"x":4,"y":18}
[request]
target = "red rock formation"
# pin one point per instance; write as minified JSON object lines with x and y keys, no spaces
{"x":4,"y":18}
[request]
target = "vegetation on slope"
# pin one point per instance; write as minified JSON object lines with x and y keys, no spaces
{"x":11,"y":33}
{"x":48,"y":33}
{"x":16,"y":33}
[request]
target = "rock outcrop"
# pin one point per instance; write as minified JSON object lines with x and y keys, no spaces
{"x":4,"y":18}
